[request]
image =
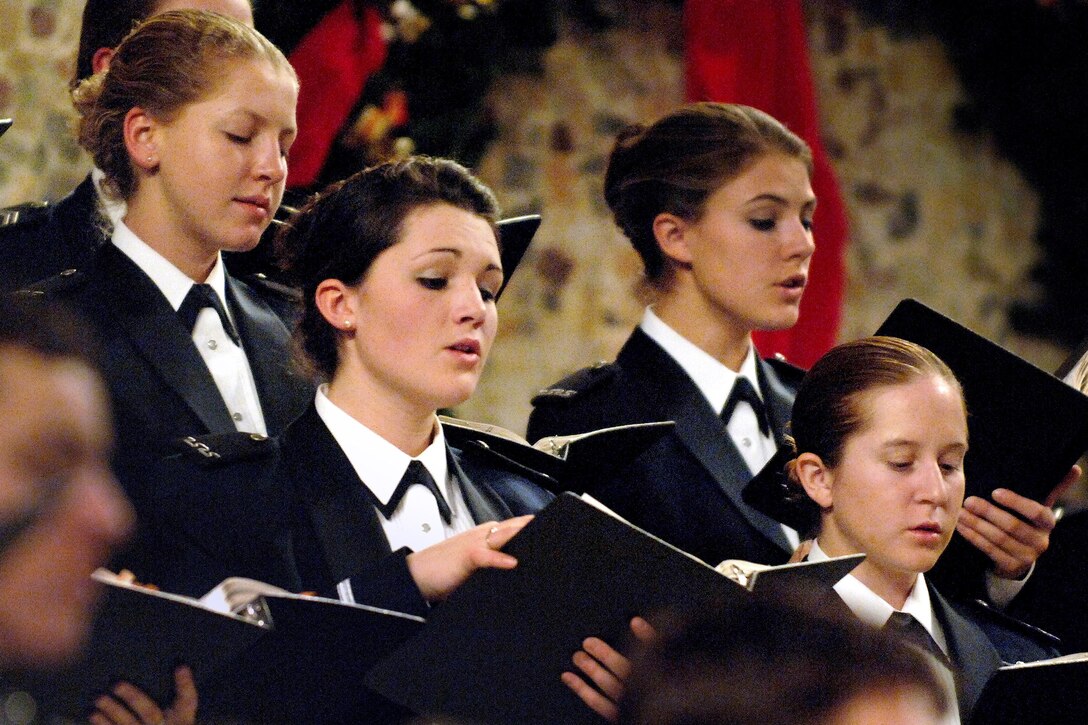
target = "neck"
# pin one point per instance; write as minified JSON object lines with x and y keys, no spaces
{"x":716,"y":333}
{"x":195,"y":262}
{"x":893,"y":586}
{"x":408,"y":427}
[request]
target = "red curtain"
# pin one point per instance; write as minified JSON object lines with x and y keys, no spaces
{"x":755,"y":52}
{"x":333,"y":63}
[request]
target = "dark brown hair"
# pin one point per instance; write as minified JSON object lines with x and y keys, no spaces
{"x":342,"y":231}
{"x":676,"y":163}
{"x":760,"y":661}
{"x":168,"y":62}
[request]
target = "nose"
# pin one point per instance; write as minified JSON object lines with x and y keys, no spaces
{"x":270,"y":164}
{"x":104,"y":514}
{"x":931,"y":485}
{"x":469,"y":305}
{"x":800,"y":243}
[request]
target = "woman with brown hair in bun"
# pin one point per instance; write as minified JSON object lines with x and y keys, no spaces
{"x":717,"y":201}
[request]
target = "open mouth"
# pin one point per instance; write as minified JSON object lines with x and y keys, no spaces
{"x":796,"y":281}
{"x":468,"y":347}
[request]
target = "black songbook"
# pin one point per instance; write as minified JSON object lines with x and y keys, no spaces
{"x":1048,"y":691}
{"x":798,"y":575}
{"x":311,"y":666}
{"x":5,"y":124}
{"x":515,"y":235}
{"x":570,"y":462}
{"x":1026,"y":427}
{"x":141,"y":636}
{"x":260,"y":654}
{"x":494,"y":652}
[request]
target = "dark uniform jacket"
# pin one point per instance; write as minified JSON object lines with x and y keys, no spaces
{"x":160,"y":387}
{"x":687,"y":487}
{"x":40,"y":240}
{"x":297,"y":515}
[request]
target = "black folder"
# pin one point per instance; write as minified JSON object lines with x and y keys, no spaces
{"x":515,"y":235}
{"x":494,"y":652}
{"x":569,"y":463}
{"x":310,"y":667}
{"x":1026,"y":427}
{"x":140,"y":636}
{"x":1050,"y":692}
{"x":304,"y":662}
{"x":5,"y":124}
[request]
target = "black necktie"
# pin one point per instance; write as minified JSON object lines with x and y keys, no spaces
{"x":743,"y":390}
{"x":199,"y":297}
{"x":911,"y":631}
{"x":416,"y":474}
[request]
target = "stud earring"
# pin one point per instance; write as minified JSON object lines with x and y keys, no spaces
{"x":348,"y":324}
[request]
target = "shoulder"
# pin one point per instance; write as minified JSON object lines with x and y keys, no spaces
{"x":24,"y":217}
{"x":589,"y":381}
{"x":1014,"y":639}
{"x":787,"y":373}
{"x":281,"y":299}
{"x":522,"y":488}
{"x":67,"y":284}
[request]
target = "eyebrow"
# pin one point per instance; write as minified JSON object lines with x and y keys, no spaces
{"x":254,"y":116}
{"x":775,"y":198}
{"x":456,"y":253}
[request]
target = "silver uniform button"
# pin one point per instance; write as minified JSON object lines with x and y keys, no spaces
{"x":746,"y":442}
{"x":237,"y":417}
{"x":212,"y":344}
{"x":426,"y":528}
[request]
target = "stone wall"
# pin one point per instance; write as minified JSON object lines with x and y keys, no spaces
{"x":935,"y":215}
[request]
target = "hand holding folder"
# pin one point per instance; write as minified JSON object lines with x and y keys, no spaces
{"x":494,"y":651}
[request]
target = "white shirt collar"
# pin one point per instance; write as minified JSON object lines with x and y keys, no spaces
{"x":870,"y":608}
{"x":170,"y":280}
{"x":379,"y":464}
{"x":714,"y":380}
{"x":114,"y":208}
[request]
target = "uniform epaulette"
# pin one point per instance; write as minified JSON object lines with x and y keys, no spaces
{"x":789,"y":373}
{"x":579,"y":382}
{"x":58,"y":284}
{"x":221,"y":449}
{"x":27,"y":213}
{"x":263,"y":284}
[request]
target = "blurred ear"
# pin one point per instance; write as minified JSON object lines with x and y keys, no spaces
{"x":816,"y":478}
{"x":141,"y":135}
{"x":336,"y":303}
{"x":671,"y":233}
{"x":100,"y":61}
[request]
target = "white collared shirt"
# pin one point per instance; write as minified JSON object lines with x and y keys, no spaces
{"x":715,"y":381}
{"x":226,"y":361}
{"x":416,"y":523}
{"x":870,"y":608}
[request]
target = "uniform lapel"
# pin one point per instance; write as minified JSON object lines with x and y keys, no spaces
{"x":482,"y":501}
{"x":699,"y":428}
{"x":144,"y":315}
{"x":266,"y":340}
{"x":348,"y":531}
{"x":970,"y":650}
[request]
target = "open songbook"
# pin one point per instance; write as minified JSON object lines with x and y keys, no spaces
{"x":494,"y":651}
{"x":256,"y":651}
{"x":573,"y":461}
{"x":752,"y":576}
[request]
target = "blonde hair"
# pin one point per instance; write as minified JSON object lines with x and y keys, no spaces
{"x":167,"y":62}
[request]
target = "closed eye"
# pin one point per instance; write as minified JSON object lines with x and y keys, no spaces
{"x":762,"y":225}
{"x":239,"y":139}
{"x":432,"y":283}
